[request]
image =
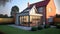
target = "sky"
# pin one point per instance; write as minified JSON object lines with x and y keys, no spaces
{"x":22,"y":4}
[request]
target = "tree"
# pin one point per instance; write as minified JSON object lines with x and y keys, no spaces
{"x":3,"y":16}
{"x":6,"y":16}
{"x":14,"y":10}
{"x":58,"y":15}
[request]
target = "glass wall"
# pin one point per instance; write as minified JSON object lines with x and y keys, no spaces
{"x":23,"y":20}
{"x":35,"y":20}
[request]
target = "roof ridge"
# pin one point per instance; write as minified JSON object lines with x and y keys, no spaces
{"x":40,"y":2}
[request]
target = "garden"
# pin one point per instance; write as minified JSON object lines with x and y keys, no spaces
{"x":5,"y":29}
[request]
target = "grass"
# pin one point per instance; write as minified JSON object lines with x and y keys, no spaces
{"x":11,"y":30}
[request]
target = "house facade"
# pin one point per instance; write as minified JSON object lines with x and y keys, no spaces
{"x":37,"y":14}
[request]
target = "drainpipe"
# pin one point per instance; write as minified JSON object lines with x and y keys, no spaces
{"x":29,"y":21}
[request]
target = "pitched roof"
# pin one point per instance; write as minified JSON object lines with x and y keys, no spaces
{"x":38,"y":4}
{"x":26,"y":10}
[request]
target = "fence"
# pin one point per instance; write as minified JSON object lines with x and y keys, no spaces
{"x":56,"y":20}
{"x":6,"y":20}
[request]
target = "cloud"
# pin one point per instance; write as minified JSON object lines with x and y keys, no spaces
{"x":58,"y":3}
{"x":3,"y":2}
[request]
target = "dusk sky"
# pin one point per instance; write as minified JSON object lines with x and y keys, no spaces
{"x":22,"y":4}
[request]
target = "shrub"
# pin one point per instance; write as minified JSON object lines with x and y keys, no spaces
{"x":46,"y":26}
{"x":34,"y":29}
{"x":58,"y":26}
{"x":39,"y":28}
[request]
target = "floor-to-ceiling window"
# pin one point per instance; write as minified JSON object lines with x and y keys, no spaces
{"x":35,"y":20}
{"x":23,"y":20}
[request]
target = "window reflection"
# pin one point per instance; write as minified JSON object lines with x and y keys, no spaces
{"x":34,"y":20}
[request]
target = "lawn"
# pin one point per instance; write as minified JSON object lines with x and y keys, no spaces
{"x":11,"y":30}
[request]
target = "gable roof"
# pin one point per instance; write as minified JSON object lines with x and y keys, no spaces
{"x":38,"y":4}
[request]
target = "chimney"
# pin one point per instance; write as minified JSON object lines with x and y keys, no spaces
{"x":28,"y":4}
